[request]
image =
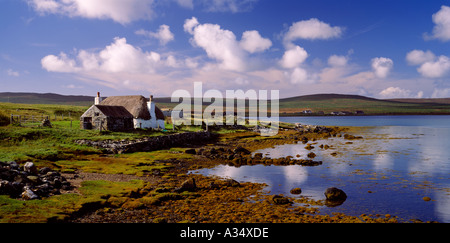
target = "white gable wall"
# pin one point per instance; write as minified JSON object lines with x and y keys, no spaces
{"x":152,"y":123}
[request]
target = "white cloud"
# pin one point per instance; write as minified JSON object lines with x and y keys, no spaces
{"x":190,"y":24}
{"x":189,"y":4}
{"x":119,"y":11}
{"x":441,"y":93}
{"x":441,"y":30}
{"x":337,"y":61}
{"x":12,"y":73}
{"x":253,"y":42}
{"x":234,"y":6}
{"x":396,"y":92}
{"x":435,"y":69}
{"x":222,"y":45}
{"x":418,"y":57}
{"x":164,"y":35}
{"x":45,"y":6}
{"x":293,"y":57}
{"x":300,"y":76}
{"x":312,"y":29}
{"x":117,"y":57}
{"x":59,"y":63}
{"x":218,"y":43}
{"x":382,"y":66}
{"x":431,"y":66}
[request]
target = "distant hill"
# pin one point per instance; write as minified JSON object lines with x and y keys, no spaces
{"x":317,"y":104}
{"x":49,"y":98}
{"x":53,"y":99}
{"x":321,"y":97}
{"x":327,"y":103}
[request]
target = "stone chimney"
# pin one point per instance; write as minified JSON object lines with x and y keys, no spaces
{"x":98,"y":99}
{"x":151,"y":108}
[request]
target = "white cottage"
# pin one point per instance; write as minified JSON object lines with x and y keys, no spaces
{"x":144,"y":112}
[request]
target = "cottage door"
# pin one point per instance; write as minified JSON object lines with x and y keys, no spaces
{"x":87,"y":123}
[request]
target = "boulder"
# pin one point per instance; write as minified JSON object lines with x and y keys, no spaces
{"x":280,"y":200}
{"x":312,"y":155}
{"x":30,"y":168}
{"x":188,"y":185}
{"x":28,"y":194}
{"x":296,"y":191}
{"x":335,"y":196}
{"x":30,"y":183}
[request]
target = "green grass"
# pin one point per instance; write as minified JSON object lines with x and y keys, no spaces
{"x":354,"y":103}
{"x":57,"y":143}
{"x":61,"y":206}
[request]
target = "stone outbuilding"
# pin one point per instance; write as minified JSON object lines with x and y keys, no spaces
{"x":123,"y":113}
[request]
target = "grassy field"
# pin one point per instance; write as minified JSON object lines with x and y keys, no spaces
{"x":330,"y":103}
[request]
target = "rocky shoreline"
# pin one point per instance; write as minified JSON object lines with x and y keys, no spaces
{"x":175,"y":195}
{"x":29,"y":183}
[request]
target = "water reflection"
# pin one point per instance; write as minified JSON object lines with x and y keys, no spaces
{"x":389,"y":171}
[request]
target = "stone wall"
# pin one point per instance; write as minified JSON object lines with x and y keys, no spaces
{"x":149,"y":144}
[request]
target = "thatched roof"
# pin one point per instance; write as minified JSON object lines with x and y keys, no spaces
{"x":136,"y":105}
{"x":114,"y":111}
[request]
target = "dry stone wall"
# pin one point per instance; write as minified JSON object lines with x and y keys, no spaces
{"x":149,"y":144}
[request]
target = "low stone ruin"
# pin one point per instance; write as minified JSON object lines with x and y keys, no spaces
{"x":28,"y":182}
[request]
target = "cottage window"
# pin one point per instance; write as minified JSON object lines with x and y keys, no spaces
{"x":97,"y":113}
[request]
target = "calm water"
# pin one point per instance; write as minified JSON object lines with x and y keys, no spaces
{"x":400,"y":160}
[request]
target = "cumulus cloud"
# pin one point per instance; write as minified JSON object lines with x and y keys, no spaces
{"x":219,"y":44}
{"x":222,"y":45}
{"x":114,"y":58}
{"x":435,"y":69}
{"x":119,"y":11}
{"x":300,"y":76}
{"x":312,"y":29}
{"x":337,"y":61}
{"x":293,"y":57}
{"x":430,"y":66}
{"x":418,"y":57}
{"x":396,"y":92}
{"x":382,"y":66}
{"x":164,"y":35}
{"x":60,"y":63}
{"x":441,"y":30}
{"x":253,"y":42}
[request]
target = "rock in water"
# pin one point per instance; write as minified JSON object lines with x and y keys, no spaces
{"x":280,"y":200}
{"x":296,"y":191}
{"x":334,"y":194}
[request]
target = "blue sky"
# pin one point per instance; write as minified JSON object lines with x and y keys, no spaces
{"x":381,"y":49}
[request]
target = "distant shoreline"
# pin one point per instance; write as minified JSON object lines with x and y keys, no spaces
{"x":354,"y":115}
